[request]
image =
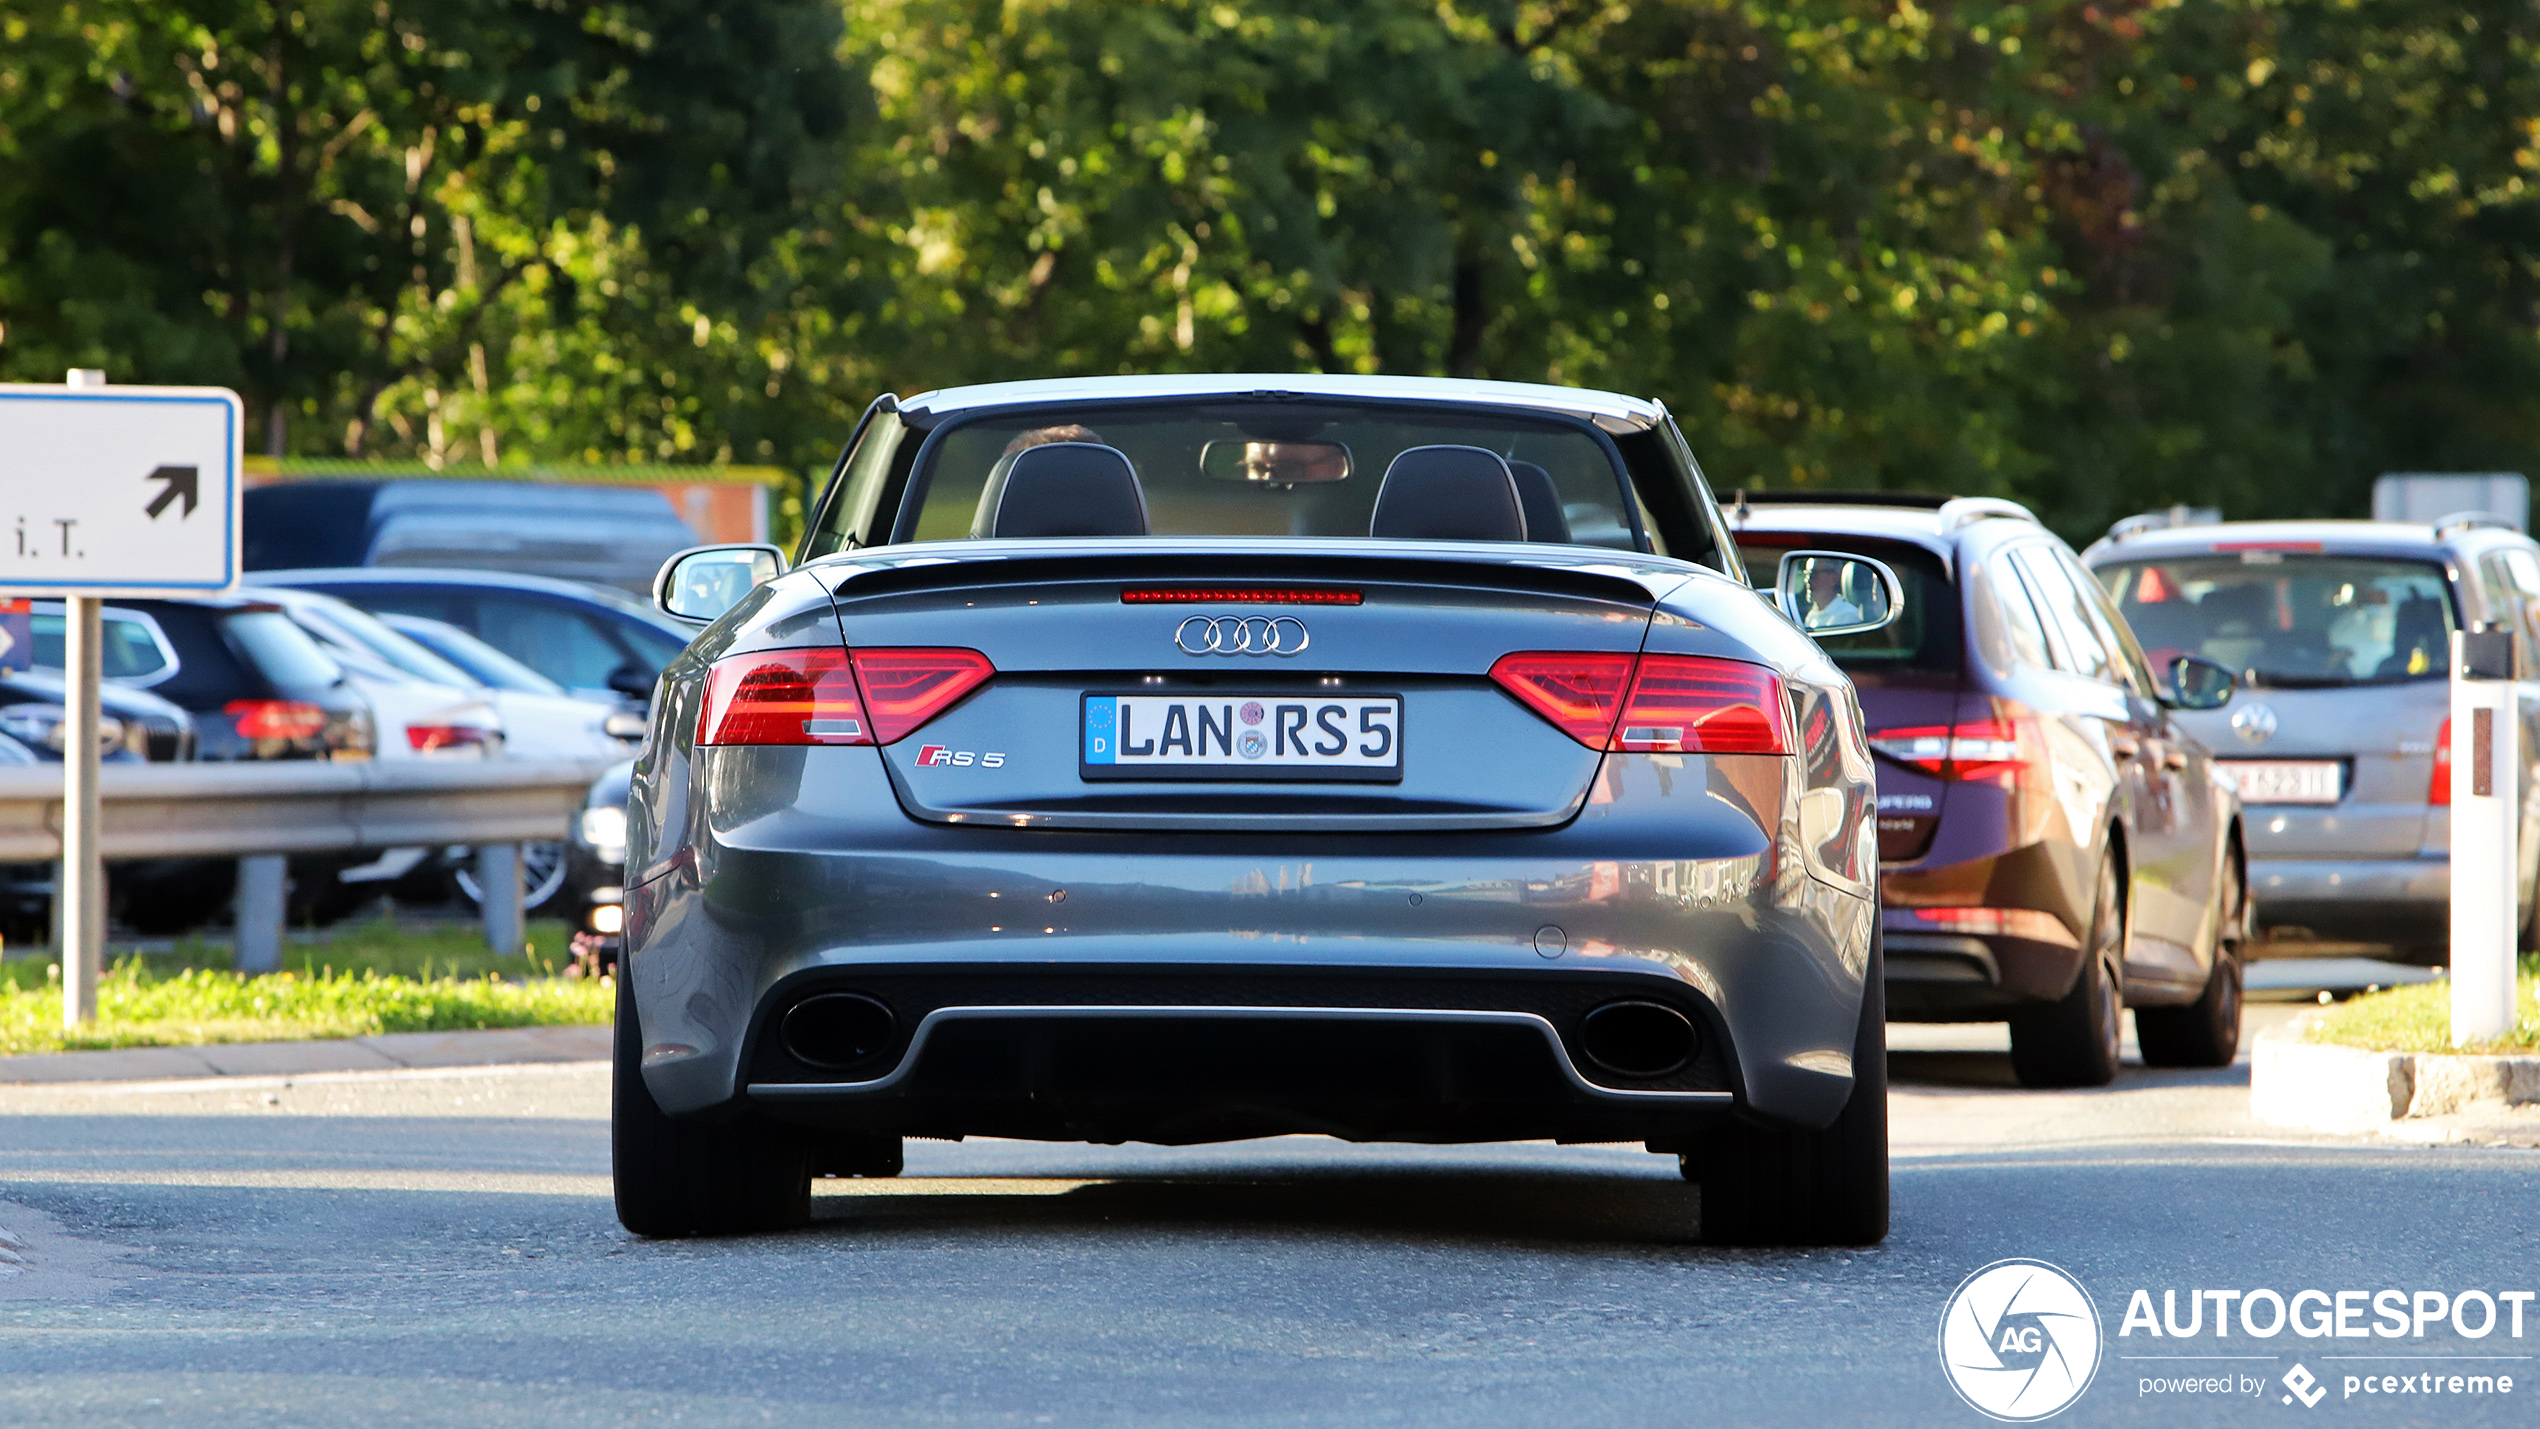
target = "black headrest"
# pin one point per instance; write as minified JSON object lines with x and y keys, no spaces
{"x":1448,"y":494}
{"x":1063,"y":489}
{"x":1541,"y":502}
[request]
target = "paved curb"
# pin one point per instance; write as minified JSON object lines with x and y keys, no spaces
{"x":2347,"y":1089}
{"x":387,"y":1052}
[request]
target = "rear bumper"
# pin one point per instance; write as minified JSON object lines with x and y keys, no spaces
{"x":1116,"y":986}
{"x":1953,"y":977}
{"x":1197,"y":1072}
{"x":2368,"y":900}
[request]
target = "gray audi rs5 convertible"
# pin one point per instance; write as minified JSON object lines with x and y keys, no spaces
{"x":1186,"y":759}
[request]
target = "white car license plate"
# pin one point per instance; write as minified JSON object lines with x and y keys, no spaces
{"x":2287,"y":781}
{"x":1242,"y":736}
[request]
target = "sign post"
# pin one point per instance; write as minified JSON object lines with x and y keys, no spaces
{"x":2486,"y":815}
{"x":109,"y":491}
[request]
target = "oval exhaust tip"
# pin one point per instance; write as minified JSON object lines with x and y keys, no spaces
{"x":1637,"y":1039}
{"x":838,"y":1029}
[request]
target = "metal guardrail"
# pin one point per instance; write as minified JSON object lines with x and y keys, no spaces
{"x":257,"y":812}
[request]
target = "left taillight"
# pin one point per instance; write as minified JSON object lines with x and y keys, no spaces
{"x":275,"y":719}
{"x":1969,"y":749}
{"x":829,"y":696}
{"x":434,"y":738}
{"x":1688,"y":704}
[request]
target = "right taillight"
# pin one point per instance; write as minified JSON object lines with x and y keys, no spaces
{"x":828,"y":696}
{"x":1695,"y":705}
{"x":2438,"y":790}
{"x":1688,"y":704}
{"x":1969,"y":749}
{"x":274,"y":719}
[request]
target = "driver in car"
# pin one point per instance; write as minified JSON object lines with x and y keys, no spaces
{"x":1826,"y":597}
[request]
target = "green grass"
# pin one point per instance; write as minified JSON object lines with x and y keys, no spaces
{"x":353,"y":981}
{"x":2419,"y":1019}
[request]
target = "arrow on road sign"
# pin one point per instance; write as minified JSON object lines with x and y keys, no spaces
{"x":181,"y":482}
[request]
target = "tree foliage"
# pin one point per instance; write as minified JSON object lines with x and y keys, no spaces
{"x":2096,"y":255}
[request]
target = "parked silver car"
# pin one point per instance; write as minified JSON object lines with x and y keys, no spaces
{"x":2340,"y":734}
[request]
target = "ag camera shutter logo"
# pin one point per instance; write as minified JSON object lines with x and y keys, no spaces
{"x":2019,"y":1340}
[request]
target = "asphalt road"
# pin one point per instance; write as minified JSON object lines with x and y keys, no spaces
{"x":437,"y":1248}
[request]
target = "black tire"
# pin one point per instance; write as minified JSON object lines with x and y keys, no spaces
{"x":2075,"y":1040}
{"x":1764,"y":1186}
{"x":2529,"y":941}
{"x":859,"y":1153}
{"x":2206,"y":1032}
{"x":684,"y":1178}
{"x":169,"y":897}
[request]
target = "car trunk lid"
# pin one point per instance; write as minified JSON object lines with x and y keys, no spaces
{"x":1229,"y":660}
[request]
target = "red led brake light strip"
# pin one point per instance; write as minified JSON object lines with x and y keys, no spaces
{"x":1238,"y":595}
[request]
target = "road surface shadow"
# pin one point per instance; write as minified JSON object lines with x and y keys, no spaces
{"x":1500,"y":1209}
{"x":1993,"y":1069}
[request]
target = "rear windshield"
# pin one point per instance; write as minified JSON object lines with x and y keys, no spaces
{"x":2290,"y":618}
{"x":281,"y":651}
{"x":1925,"y":636}
{"x":360,"y":630}
{"x":130,"y":654}
{"x":1214,"y":470}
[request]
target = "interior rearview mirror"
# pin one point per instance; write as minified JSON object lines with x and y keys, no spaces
{"x":701,"y":583}
{"x":2197,"y":683}
{"x":1830,"y":593}
{"x":1274,"y":463}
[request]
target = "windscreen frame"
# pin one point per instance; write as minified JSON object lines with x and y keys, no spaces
{"x":914,"y":487}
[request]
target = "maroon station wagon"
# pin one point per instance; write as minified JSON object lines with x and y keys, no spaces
{"x":2053,"y":846}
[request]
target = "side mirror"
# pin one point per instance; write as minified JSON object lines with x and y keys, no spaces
{"x":2197,"y":683}
{"x":633,"y":681}
{"x":1830,"y":593}
{"x":702,"y":582}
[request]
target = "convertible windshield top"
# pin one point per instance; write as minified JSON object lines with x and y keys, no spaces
{"x":1324,"y":466}
{"x":1276,"y":470}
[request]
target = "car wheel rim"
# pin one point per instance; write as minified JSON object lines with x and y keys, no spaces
{"x":542,"y":873}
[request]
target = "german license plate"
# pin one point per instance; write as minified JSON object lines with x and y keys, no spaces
{"x":2287,"y":781}
{"x":1240,"y":736}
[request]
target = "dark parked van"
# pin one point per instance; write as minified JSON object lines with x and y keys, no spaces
{"x":2052,"y":845}
{"x":602,"y":535}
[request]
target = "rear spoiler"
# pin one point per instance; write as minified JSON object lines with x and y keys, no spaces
{"x":1627,"y":577}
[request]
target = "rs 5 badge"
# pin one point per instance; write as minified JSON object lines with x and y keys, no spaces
{"x":936,"y":754}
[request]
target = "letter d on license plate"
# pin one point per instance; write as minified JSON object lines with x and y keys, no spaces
{"x":1242,"y":736}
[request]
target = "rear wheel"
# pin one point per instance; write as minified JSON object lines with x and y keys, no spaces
{"x":2206,"y":1032}
{"x":2073,"y":1041}
{"x":1771,"y":1186}
{"x":682,"y":1178}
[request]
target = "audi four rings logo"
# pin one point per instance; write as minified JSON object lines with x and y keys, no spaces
{"x":1241,"y":635}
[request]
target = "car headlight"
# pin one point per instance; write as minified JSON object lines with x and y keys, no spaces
{"x":48,"y":727}
{"x":604,"y":830}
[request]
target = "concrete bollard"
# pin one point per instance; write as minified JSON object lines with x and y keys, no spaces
{"x":262,"y":882}
{"x":498,"y":885}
